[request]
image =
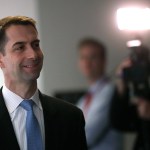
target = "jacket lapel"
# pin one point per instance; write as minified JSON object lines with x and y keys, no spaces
{"x":7,"y":134}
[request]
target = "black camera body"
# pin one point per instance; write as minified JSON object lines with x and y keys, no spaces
{"x":137,"y":77}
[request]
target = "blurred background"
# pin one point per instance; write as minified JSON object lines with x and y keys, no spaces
{"x":61,"y":24}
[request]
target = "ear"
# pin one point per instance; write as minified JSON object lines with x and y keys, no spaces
{"x":1,"y":60}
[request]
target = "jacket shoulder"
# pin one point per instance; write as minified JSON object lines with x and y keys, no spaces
{"x":60,"y":106}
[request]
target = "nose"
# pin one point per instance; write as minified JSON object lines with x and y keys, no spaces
{"x":31,"y":53}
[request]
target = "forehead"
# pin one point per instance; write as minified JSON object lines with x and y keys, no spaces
{"x":21,"y":33}
{"x":90,"y":49}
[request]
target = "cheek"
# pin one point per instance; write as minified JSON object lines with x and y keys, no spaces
{"x":10,"y":64}
{"x":83,"y":64}
{"x":40,"y":55}
{"x":86,"y":67}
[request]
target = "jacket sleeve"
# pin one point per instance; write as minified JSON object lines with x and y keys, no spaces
{"x":123,"y":114}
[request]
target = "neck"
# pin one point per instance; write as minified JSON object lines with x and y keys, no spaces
{"x":24,"y":90}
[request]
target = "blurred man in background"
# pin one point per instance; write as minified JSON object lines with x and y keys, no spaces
{"x":128,"y":113}
{"x":96,"y":102}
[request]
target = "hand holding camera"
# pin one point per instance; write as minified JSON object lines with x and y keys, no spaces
{"x":134,"y":73}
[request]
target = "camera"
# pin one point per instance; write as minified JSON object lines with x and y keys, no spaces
{"x":137,"y":77}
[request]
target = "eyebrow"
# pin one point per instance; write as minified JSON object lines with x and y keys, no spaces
{"x":22,"y":42}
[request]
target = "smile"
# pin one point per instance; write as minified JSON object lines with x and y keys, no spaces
{"x":30,"y":66}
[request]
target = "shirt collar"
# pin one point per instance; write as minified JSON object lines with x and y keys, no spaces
{"x":36,"y":99}
{"x":13,"y":100}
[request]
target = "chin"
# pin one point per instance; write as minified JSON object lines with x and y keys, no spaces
{"x":32,"y":77}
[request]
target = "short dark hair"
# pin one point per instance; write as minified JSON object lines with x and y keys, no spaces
{"x":6,"y":22}
{"x":88,"y":41}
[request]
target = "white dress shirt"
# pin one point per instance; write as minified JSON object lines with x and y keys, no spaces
{"x":99,"y":134}
{"x":18,"y":115}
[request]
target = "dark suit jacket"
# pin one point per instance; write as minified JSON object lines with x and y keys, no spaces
{"x":64,"y":126}
{"x":124,"y":117}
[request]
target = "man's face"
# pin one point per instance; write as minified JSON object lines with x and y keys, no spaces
{"x":91,"y":64}
{"x":23,"y":58}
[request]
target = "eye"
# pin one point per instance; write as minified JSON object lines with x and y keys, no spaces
{"x":36,"y":45}
{"x":19,"y":48}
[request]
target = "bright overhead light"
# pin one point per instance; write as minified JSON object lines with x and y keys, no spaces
{"x":134,"y":43}
{"x":133,"y":18}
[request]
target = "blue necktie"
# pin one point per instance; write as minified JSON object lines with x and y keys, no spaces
{"x":33,"y":133}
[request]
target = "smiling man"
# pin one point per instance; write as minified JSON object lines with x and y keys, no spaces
{"x":30,"y":120}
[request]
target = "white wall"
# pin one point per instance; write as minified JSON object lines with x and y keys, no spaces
{"x":63,"y":23}
{"x":19,"y":7}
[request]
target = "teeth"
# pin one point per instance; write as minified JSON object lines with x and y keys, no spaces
{"x":29,"y":66}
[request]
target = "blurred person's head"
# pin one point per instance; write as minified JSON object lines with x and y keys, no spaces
{"x":92,"y":58}
{"x":21,"y":58}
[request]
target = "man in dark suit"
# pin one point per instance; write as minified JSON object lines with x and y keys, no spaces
{"x":30,"y":120}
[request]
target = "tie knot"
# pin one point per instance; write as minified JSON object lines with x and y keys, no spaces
{"x":27,"y":104}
